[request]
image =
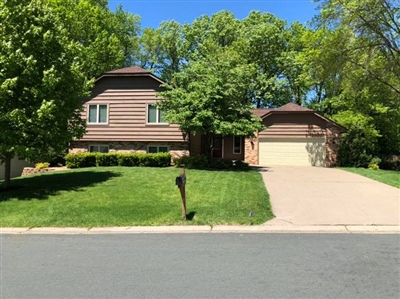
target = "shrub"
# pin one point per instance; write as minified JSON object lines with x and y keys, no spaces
{"x":107,"y":159}
{"x":128,"y":160}
{"x":357,"y":148}
{"x":390,"y":164}
{"x":42,"y":165}
{"x":195,"y":162}
{"x":239,"y":164}
{"x":374,"y":164}
{"x":155,"y":160}
{"x":57,"y":161}
{"x":220,"y":164}
{"x":80,"y":160}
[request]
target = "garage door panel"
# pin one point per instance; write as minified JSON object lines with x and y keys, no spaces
{"x":292,"y":151}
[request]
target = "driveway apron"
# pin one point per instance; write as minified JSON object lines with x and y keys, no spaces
{"x":328,"y":196}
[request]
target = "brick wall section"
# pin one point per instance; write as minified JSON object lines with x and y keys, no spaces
{"x":332,"y":145}
{"x":251,"y":150}
{"x":176,"y":149}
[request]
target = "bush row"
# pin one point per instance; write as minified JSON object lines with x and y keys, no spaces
{"x":202,"y":162}
{"x":80,"y":160}
{"x":390,"y":165}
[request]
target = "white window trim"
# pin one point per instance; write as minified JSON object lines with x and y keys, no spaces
{"x":240,"y":147}
{"x":158,"y":148}
{"x":157,"y":115}
{"x":106,"y":145}
{"x":97,"y":104}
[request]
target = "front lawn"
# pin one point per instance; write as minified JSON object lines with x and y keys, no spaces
{"x":389,"y":177}
{"x":131,"y":196}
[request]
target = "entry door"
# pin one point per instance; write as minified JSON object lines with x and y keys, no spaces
{"x":217,"y":147}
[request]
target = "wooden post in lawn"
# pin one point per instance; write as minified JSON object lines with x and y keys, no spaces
{"x":181,"y":183}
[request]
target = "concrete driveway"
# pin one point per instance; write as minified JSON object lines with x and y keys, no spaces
{"x":328,"y":196}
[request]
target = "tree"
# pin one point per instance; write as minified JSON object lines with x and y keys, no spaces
{"x":358,"y":61}
{"x":109,"y":40}
{"x":264,"y":37}
{"x":42,"y":82}
{"x":376,"y":25}
{"x":210,"y":94}
{"x":161,"y":50}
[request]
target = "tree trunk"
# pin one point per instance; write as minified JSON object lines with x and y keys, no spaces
{"x":206,"y":145}
{"x":7,"y":173}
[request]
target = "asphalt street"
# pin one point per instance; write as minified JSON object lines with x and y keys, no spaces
{"x":264,"y":265}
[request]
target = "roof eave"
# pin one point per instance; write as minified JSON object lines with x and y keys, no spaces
{"x":130,"y":75}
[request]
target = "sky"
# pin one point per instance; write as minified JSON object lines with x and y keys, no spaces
{"x":153,"y":12}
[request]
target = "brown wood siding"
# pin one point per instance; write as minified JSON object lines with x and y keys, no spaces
{"x":293,"y":125}
{"x":127,"y":99}
{"x":228,"y":149}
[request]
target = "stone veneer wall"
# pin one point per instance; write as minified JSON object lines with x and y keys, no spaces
{"x":176,"y":149}
{"x":332,"y":145}
{"x":251,"y":150}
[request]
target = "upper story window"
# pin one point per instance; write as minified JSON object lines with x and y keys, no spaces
{"x":98,"y":114}
{"x":154,"y":115}
{"x":237,"y":144}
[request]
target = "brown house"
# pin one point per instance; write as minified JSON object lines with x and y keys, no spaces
{"x":121,"y":116}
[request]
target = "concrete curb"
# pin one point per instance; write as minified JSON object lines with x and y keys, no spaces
{"x":388,"y":229}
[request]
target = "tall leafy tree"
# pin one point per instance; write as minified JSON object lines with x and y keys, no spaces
{"x":358,"y":62}
{"x":109,"y":40}
{"x":210,"y":94}
{"x":41,"y":82}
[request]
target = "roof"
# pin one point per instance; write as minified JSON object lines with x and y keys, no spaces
{"x":133,"y":71}
{"x":260,"y":112}
{"x":129,"y":70}
{"x":291,"y":108}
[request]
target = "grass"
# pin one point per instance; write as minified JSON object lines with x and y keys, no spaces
{"x":132,"y":196}
{"x":389,"y":177}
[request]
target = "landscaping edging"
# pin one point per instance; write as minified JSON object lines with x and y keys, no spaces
{"x":31,"y":170}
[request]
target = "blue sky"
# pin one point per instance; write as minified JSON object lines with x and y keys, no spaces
{"x":153,"y":12}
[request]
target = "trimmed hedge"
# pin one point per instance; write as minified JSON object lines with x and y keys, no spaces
{"x":80,"y":160}
{"x":201,"y":162}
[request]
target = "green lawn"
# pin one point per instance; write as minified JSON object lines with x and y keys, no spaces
{"x":389,"y":177}
{"x":129,"y":196}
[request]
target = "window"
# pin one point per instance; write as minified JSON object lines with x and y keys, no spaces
{"x":98,"y":114}
{"x":158,"y":149}
{"x":237,"y":144}
{"x":98,"y":148}
{"x":154,"y":115}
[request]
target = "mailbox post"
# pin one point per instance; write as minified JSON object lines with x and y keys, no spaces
{"x":181,"y":183}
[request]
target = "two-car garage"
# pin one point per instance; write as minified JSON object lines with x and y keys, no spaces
{"x":310,"y":151}
{"x":294,"y":135}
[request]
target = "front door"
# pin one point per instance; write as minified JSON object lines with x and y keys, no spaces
{"x":217,"y":147}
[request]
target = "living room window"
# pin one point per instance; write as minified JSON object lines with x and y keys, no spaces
{"x":154,"y":115}
{"x":98,"y":114}
{"x":157,"y":149}
{"x":237,"y":144}
{"x":98,"y":148}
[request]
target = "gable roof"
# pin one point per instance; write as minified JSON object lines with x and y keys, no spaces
{"x":131,"y":71}
{"x":260,"y":112}
{"x":291,"y":108}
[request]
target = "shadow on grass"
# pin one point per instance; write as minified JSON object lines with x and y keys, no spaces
{"x":190,"y":216}
{"x":42,"y":186}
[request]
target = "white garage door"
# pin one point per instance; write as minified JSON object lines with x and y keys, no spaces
{"x":292,"y":151}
